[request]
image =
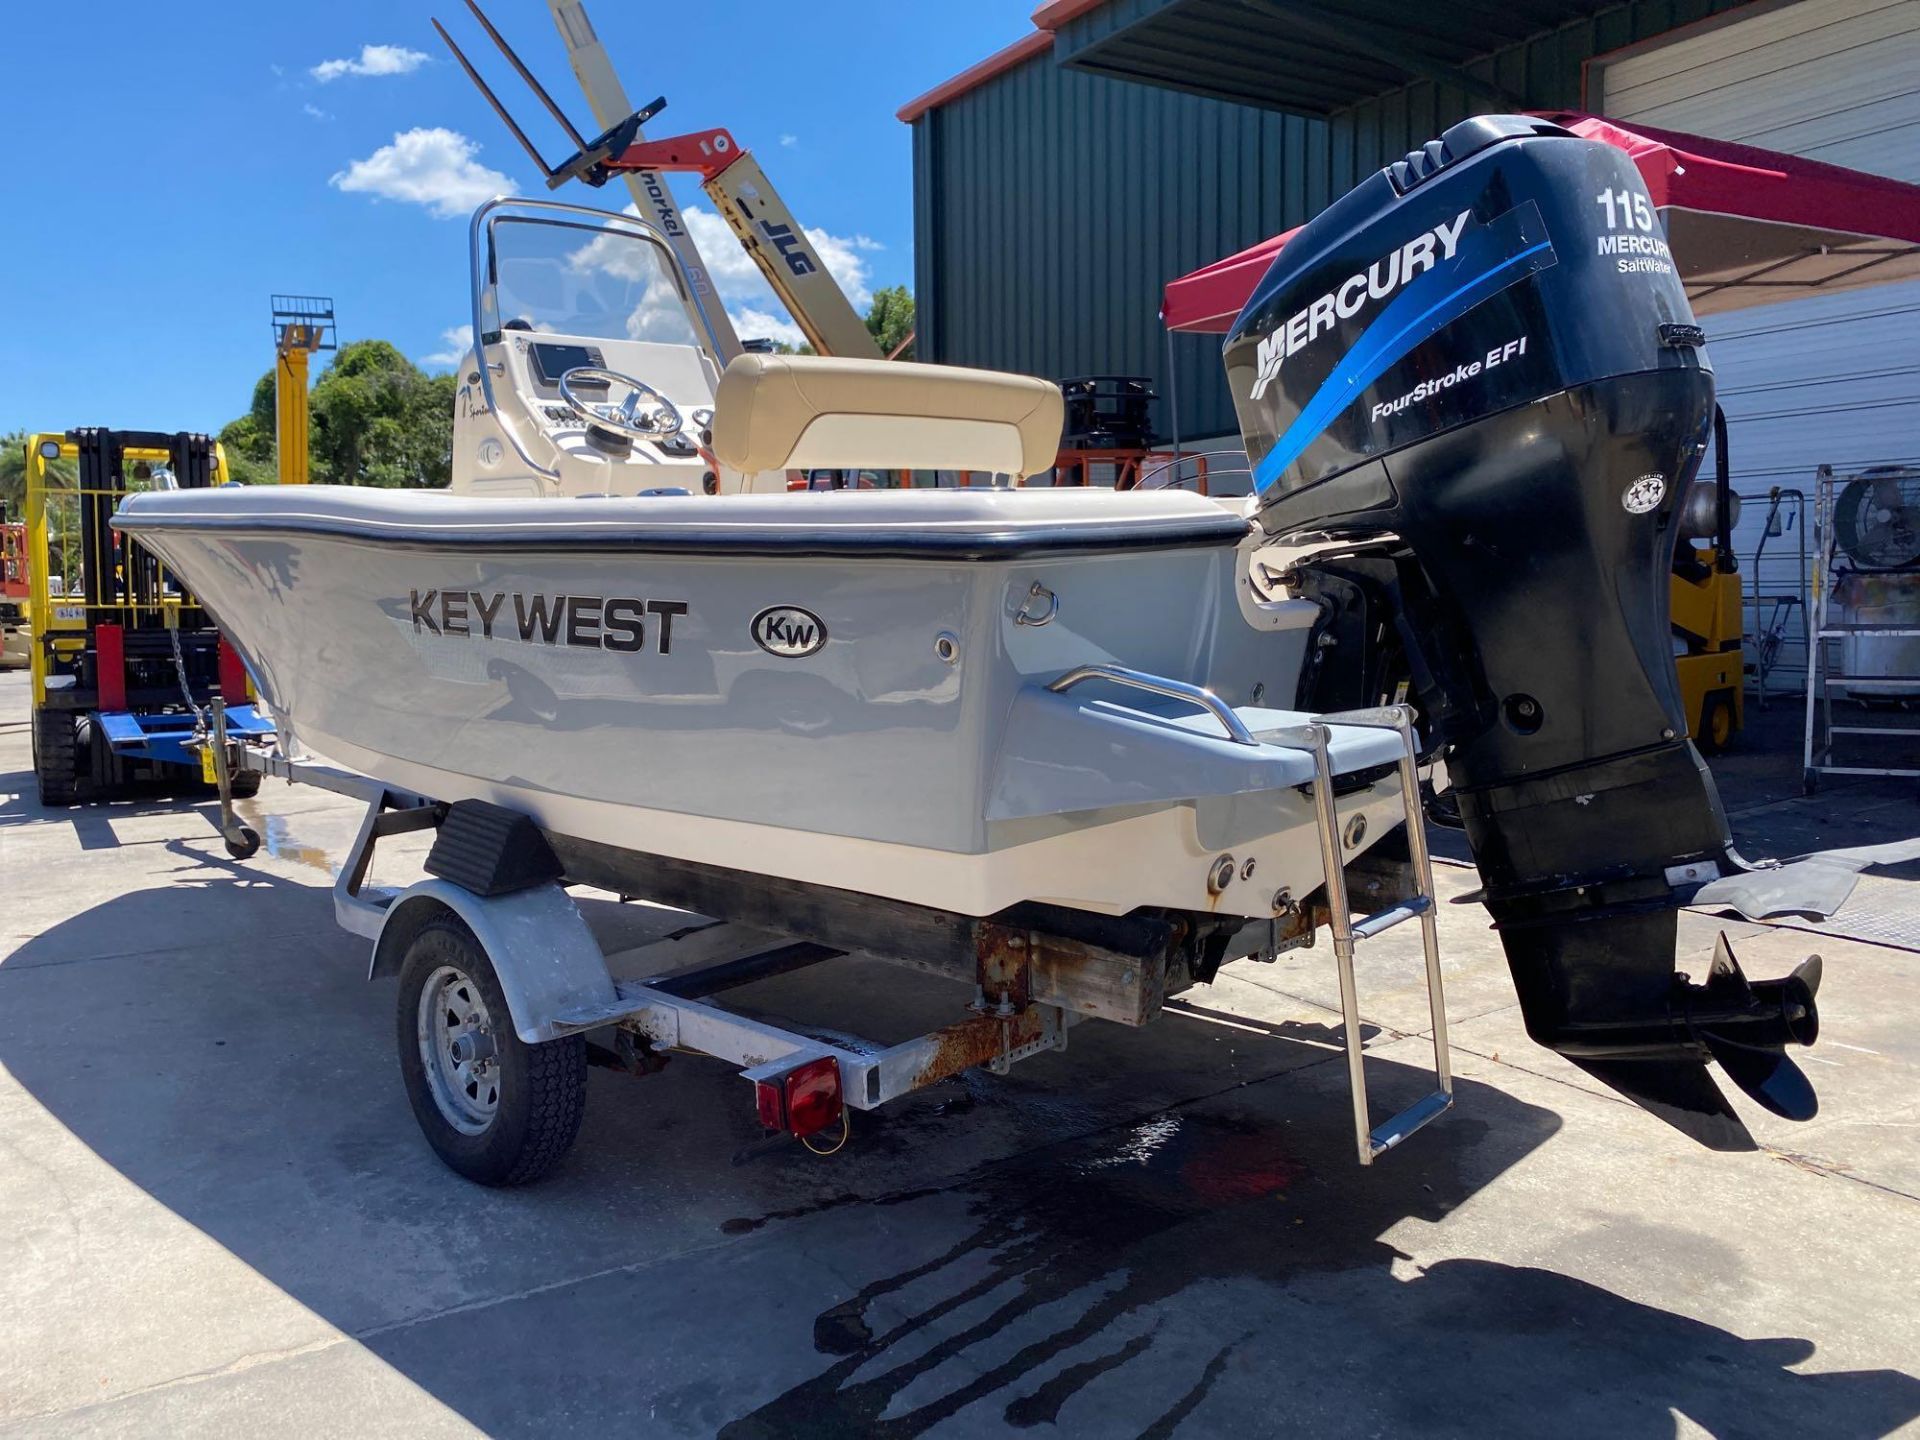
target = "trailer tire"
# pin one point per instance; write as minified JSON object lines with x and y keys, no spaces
{"x":57,"y":757}
{"x":509,"y":1117}
{"x":244,"y":784}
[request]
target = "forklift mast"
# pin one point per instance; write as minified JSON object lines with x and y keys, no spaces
{"x":732,"y":178}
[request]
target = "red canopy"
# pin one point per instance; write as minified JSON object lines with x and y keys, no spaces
{"x":1747,"y":227}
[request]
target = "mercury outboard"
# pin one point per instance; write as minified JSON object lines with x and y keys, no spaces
{"x":1476,"y":382}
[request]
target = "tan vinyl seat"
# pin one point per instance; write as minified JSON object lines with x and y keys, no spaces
{"x":778,"y":412}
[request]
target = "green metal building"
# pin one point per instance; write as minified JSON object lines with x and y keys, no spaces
{"x":1059,"y":184}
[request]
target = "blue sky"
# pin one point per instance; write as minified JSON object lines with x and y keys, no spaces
{"x":171,"y":165}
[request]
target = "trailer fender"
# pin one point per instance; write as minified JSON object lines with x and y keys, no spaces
{"x":550,"y":967}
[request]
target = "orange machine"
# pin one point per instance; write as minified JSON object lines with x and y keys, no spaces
{"x":15,"y":635}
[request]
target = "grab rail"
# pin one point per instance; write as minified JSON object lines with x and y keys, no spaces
{"x":1159,"y":685}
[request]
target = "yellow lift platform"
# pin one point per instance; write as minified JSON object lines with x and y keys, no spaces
{"x":302,"y":325}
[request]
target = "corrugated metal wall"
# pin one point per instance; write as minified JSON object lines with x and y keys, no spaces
{"x":1051,"y":206}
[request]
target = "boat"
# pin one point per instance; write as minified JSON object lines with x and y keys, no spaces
{"x":1105,"y":705}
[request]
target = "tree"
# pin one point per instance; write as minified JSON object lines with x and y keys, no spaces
{"x":890,"y":320}
{"x":13,"y":473}
{"x":377,"y":419}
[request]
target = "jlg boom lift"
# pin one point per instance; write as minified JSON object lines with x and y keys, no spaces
{"x":732,"y":178}
{"x":607,"y":98}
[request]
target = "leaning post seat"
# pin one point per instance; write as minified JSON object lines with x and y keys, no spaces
{"x":776,"y":412}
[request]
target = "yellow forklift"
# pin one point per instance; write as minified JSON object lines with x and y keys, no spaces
{"x":132,"y":681}
{"x":1708,"y":610}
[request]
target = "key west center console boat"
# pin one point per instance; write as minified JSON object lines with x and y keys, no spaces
{"x":1066,"y":723}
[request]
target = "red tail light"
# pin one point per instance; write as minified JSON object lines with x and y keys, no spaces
{"x":805,"y":1100}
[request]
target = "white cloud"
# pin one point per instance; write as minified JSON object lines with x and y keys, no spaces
{"x":433,"y":167}
{"x":789,"y":141}
{"x":454,"y":341}
{"x":373,"y":60}
{"x":315,"y":111}
{"x":752,"y":323}
{"x":756,"y":310}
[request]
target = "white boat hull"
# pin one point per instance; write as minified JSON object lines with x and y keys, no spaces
{"x":601,"y":666}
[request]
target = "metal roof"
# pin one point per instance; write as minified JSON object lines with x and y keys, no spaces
{"x":974,"y":76}
{"x":1305,"y":57}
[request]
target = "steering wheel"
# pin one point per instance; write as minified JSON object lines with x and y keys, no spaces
{"x":645,"y":414}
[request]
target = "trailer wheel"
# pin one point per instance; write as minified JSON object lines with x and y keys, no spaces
{"x":57,"y":756}
{"x":244,"y":784}
{"x":496,"y":1109}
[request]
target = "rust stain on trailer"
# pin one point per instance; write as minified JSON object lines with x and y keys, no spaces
{"x":975,"y":1042}
{"x":1005,"y":971}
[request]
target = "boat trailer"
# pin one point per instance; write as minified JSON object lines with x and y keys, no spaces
{"x":521,"y":979}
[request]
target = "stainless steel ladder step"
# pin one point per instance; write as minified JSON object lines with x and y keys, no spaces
{"x":1383,"y":920}
{"x":1370,"y":1140}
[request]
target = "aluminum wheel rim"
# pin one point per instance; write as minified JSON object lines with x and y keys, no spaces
{"x":451,"y":1018}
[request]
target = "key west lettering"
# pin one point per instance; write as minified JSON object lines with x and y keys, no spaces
{"x":625,"y":623}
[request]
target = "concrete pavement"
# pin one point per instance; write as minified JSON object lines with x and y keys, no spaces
{"x":217,"y":1215}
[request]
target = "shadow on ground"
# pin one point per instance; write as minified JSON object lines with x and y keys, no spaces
{"x":1078,"y":1236}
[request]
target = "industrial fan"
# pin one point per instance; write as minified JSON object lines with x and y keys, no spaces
{"x":1876,"y":521}
{"x":1876,"y":583}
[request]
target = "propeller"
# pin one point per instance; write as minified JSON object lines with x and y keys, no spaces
{"x":1744,"y":1026}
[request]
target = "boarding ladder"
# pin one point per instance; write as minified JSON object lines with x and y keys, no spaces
{"x":1315,"y":738}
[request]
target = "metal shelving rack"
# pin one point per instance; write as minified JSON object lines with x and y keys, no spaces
{"x":1822,"y":675}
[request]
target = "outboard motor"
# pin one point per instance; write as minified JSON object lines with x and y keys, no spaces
{"x":1478,"y":378}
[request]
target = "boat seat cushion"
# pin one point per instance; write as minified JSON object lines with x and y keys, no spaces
{"x":778,"y":412}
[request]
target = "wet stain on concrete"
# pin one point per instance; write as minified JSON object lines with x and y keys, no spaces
{"x":1122,"y":1221}
{"x":1042,"y":1406}
{"x":1136,"y":1271}
{"x":278,"y":840}
{"x":1170,"y":1420}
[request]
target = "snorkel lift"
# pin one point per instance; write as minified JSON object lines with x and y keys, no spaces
{"x":732,"y":179}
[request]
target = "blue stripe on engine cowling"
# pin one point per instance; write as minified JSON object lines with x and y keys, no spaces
{"x":1429,"y":304}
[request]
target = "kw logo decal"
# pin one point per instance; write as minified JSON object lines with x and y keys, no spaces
{"x":789,"y":632}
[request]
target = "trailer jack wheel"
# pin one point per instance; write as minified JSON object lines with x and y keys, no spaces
{"x":242,"y":842}
{"x":496,"y":1109}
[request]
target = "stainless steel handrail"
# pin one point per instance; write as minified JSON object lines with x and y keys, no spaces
{"x":1159,"y":685}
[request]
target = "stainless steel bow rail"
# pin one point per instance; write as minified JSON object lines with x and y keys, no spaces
{"x":1030,"y":985}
